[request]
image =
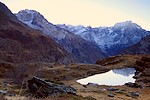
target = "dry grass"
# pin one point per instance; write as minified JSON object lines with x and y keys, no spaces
{"x":68,"y":75}
{"x":121,"y":61}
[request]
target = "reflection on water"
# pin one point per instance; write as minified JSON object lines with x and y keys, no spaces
{"x":112,"y":77}
{"x":125,"y":71}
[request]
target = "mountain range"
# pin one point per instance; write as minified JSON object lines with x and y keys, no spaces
{"x":111,"y":40}
{"x":87,"y":44}
{"x":83,"y":51}
{"x":57,"y":43}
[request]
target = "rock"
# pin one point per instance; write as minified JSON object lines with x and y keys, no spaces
{"x":133,"y":94}
{"x":92,"y":84}
{"x":5,"y":83}
{"x":121,"y":91}
{"x":11,"y":94}
{"x":84,"y":86}
{"x":133,"y":85}
{"x":143,"y":68}
{"x":111,"y":95}
{"x":104,"y":89}
{"x":3,"y":92}
{"x":112,"y":89}
{"x":137,"y":75}
{"x":41,"y":88}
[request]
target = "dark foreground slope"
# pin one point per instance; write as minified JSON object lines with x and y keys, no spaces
{"x":19,"y":43}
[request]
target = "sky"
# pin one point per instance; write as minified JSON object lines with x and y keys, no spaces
{"x":93,"y":13}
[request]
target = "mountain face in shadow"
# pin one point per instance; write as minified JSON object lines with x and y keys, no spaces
{"x":20,"y":43}
{"x":142,"y":47}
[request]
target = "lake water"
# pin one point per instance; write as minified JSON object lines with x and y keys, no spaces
{"x":112,"y":77}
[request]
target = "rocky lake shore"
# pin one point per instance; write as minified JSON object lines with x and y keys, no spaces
{"x":12,"y":88}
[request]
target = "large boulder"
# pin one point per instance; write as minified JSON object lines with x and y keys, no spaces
{"x":40,"y":88}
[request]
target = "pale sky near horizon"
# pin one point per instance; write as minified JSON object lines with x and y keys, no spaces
{"x":93,"y":13}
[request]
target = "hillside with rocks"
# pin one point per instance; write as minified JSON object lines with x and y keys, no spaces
{"x":20,"y":43}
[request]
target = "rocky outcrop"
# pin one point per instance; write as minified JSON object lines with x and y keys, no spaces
{"x":40,"y":88}
{"x":143,"y":69}
{"x":112,"y":89}
{"x":133,"y":85}
{"x":133,"y":94}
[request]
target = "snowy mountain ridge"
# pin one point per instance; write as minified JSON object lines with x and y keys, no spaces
{"x":35,"y":20}
{"x":110,"y":39}
{"x":82,"y":50}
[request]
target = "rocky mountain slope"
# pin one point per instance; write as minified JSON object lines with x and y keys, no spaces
{"x":20,"y":43}
{"x":142,"y":47}
{"x":112,"y":40}
{"x":84,"y":51}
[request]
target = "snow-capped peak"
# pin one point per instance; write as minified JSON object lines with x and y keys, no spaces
{"x":27,"y":11}
{"x":127,"y":24}
{"x":37,"y":21}
{"x":28,"y":15}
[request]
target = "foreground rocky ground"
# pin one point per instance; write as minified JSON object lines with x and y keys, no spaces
{"x":14,"y":87}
